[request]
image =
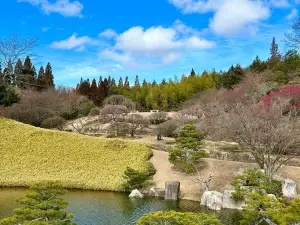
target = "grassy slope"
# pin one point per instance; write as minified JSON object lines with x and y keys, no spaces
{"x":29,"y":154}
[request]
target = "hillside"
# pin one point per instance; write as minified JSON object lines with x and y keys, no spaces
{"x":30,"y":154}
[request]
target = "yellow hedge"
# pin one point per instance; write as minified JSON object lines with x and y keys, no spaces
{"x":29,"y":154}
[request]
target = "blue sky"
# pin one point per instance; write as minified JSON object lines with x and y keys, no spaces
{"x":154,"y":39}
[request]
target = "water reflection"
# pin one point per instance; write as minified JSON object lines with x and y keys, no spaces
{"x":105,"y":208}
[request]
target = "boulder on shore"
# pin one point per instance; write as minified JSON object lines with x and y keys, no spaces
{"x":212,"y":200}
{"x":136,"y":194}
{"x":230,"y":203}
{"x":289,"y":188}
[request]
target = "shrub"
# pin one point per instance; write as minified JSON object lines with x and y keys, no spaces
{"x":158,"y":117}
{"x":178,"y":218}
{"x":53,"y":122}
{"x":167,"y":128}
{"x":254,"y":180}
{"x":35,"y":107}
{"x":136,"y":179}
{"x":95,"y":111}
{"x":8,"y":96}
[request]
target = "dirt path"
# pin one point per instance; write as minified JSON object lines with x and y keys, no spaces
{"x":224,"y":172}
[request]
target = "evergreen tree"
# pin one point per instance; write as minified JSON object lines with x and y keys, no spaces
{"x":120,"y":84}
{"x":234,"y":76}
{"x":137,"y":82}
{"x":164,"y":81}
{"x":192,"y":73}
{"x":275,"y":54}
{"x":187,"y":152}
{"x":100,"y":79}
{"x":126,"y":83}
{"x":41,"y":83}
{"x":154,"y":83}
{"x":27,"y":79}
{"x":43,"y":206}
{"x":92,"y":95}
{"x":258,"y":66}
{"x":18,"y":71}
{"x":1,"y":75}
{"x":7,"y":74}
{"x":49,"y":78}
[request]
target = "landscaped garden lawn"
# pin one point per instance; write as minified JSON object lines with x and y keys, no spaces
{"x":29,"y":154}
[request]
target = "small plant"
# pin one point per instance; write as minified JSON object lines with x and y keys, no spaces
{"x":136,"y":179}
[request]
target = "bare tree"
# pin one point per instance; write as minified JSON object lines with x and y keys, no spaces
{"x":114,"y":113}
{"x":120,"y":100}
{"x":270,"y":132}
{"x":15,"y":47}
{"x":292,"y":39}
{"x":136,"y":122}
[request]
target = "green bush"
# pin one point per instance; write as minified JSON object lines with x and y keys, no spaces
{"x":254,"y":180}
{"x":136,"y":179}
{"x":177,"y":218}
{"x":53,"y":122}
{"x":95,"y":111}
{"x":8,"y":96}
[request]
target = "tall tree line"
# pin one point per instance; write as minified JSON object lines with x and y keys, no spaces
{"x":25,"y":76}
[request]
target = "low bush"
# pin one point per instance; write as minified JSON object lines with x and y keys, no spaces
{"x":158,"y":117}
{"x":178,"y":218}
{"x":94,"y":111}
{"x":136,"y":179}
{"x":167,"y":128}
{"x":53,"y":122}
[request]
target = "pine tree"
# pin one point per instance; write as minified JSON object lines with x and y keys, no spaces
{"x":275,"y":54}
{"x":120,"y":84}
{"x":164,"y":82}
{"x":137,"y":82}
{"x":27,"y":79}
{"x":100,"y":79}
{"x":126,"y":83}
{"x":18,"y":71}
{"x":41,"y":83}
{"x":92,"y":95}
{"x":43,"y":206}
{"x":192,"y":73}
{"x":1,"y":75}
{"x":49,"y":78}
{"x":7,"y":74}
{"x":188,"y":150}
{"x":234,"y":76}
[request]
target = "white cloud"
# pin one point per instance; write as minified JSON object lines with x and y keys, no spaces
{"x":231,"y":17}
{"x":74,"y":42}
{"x":280,"y":3}
{"x":109,"y":33}
{"x":63,"y":7}
{"x":236,"y":17}
{"x":293,"y":14}
{"x":196,"y":6}
{"x":157,"y":42}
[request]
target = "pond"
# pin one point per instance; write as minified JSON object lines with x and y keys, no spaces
{"x":105,"y":208}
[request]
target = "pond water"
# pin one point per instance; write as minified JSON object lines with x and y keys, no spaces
{"x":109,"y":208}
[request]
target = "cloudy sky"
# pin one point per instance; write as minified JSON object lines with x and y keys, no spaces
{"x":154,"y":39}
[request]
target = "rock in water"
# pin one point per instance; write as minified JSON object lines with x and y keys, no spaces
{"x":172,"y":190}
{"x":289,"y":188}
{"x":153,"y":192}
{"x":212,"y":200}
{"x":229,"y":203}
{"x":136,"y":194}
